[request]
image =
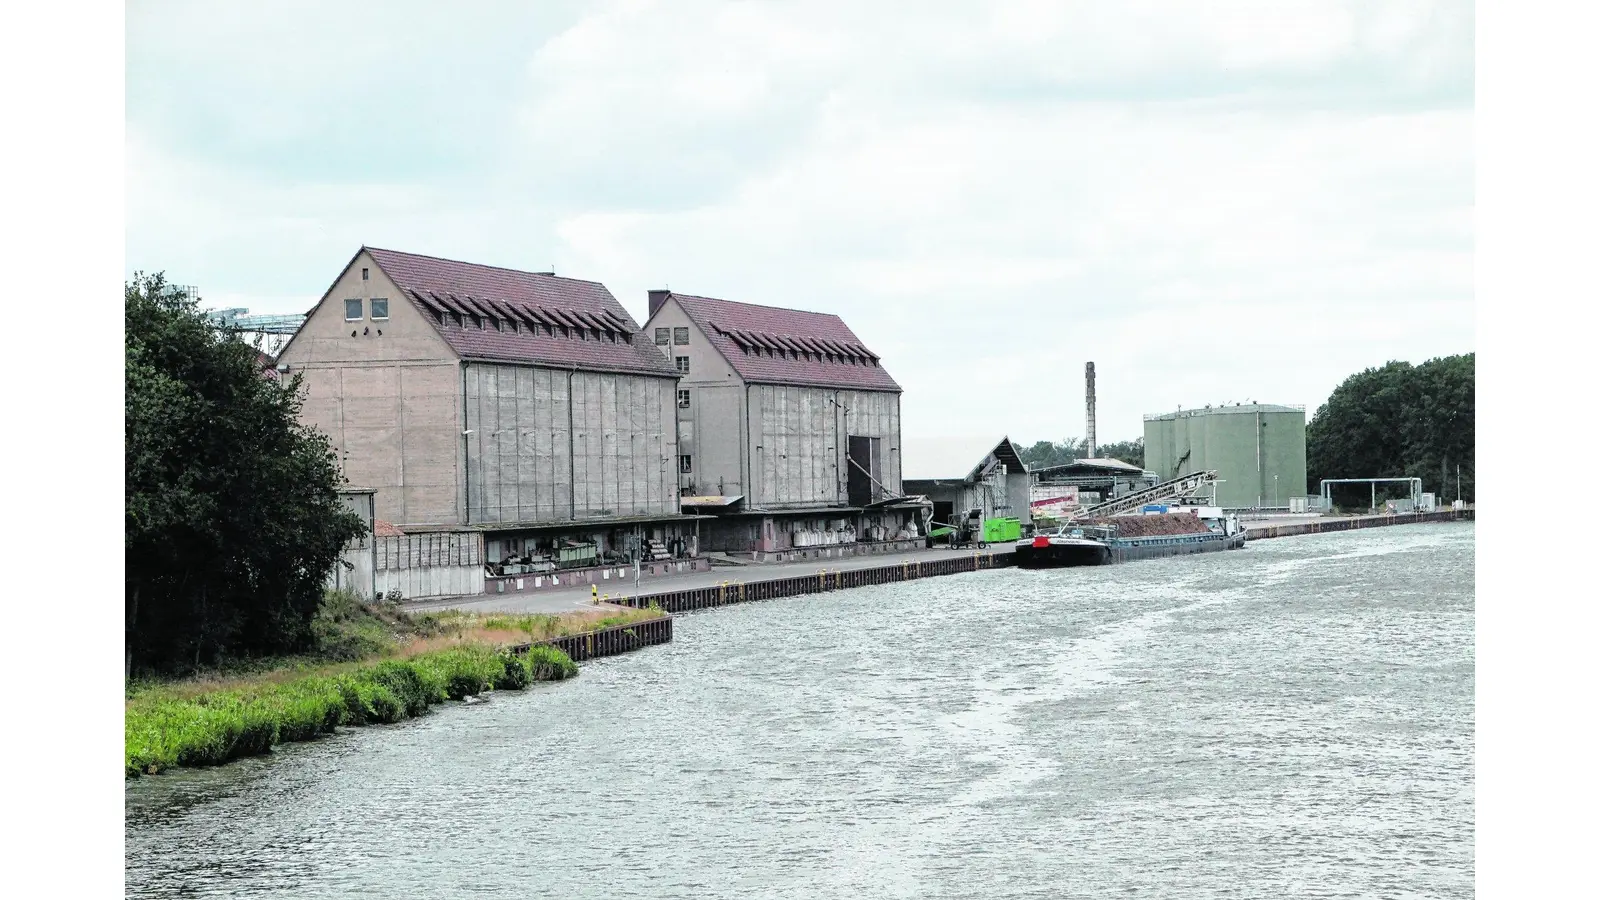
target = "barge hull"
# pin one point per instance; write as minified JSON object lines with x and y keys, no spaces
{"x":1179,"y":545}
{"x":1056,"y":557}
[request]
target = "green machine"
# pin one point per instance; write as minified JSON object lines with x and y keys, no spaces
{"x":1001,"y":530}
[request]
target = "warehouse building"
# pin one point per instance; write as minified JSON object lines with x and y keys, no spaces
{"x":1258,"y":451}
{"x":962,"y":475}
{"x":789,"y":429}
{"x":520,"y":406}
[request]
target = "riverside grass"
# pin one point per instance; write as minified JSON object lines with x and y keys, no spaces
{"x":413,"y":663}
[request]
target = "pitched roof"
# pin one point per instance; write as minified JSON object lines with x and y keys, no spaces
{"x":773,"y":345}
{"x":955,"y":459}
{"x":504,"y":315}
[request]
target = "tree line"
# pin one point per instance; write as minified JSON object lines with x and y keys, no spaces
{"x":233,"y":519}
{"x":1398,"y":421}
{"x":1040,"y":454}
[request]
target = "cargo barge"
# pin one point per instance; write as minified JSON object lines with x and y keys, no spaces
{"x":1171,"y":532}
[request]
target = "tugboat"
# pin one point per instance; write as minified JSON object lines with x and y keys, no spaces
{"x":1170,"y":532}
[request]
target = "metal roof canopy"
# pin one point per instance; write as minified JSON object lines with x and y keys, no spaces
{"x":956,"y":459}
{"x":589,"y":524}
{"x":1098,"y":466}
{"x":710,"y":501}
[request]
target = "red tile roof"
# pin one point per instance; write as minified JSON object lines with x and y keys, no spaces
{"x":504,"y":315}
{"x":773,"y":345}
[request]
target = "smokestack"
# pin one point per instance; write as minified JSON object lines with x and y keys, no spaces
{"x":656,"y":299}
{"x":1088,"y":373}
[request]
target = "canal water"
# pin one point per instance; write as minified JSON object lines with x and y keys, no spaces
{"x":1290,"y":720}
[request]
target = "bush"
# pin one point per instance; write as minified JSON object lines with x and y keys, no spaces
{"x":346,"y":629}
{"x":463,"y":671}
{"x":547,"y":663}
{"x":513,"y":674}
{"x":306,"y":709}
{"x":405,"y":680}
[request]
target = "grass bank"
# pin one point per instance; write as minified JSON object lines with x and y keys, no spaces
{"x":372,"y":664}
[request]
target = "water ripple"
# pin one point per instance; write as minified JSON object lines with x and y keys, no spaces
{"x":1292,"y":720}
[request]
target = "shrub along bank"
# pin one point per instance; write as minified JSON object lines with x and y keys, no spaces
{"x":375,"y":665}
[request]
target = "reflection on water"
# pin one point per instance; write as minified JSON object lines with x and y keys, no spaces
{"x":1293,"y":719}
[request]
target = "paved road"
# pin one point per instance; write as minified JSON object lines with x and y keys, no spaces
{"x":568,"y":599}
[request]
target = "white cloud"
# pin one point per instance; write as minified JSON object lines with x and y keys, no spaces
{"x":1209,"y":200}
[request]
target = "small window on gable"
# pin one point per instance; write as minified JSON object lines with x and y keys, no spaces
{"x":683,"y":364}
{"x":363,"y":274}
{"x":380,"y":307}
{"x":663,"y":336}
{"x":352,"y":310}
{"x":680,"y":336}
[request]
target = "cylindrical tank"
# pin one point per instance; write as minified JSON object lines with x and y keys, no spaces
{"x":1257,"y":450}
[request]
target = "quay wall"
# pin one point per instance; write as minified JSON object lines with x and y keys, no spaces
{"x":608,"y":641}
{"x":737,"y":591}
{"x":1322,"y":526}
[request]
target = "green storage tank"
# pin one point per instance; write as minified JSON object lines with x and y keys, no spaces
{"x":1257,"y":450}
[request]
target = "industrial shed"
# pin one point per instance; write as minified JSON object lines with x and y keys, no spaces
{"x":1061,"y":488}
{"x":520,"y":404}
{"x":962,"y":474}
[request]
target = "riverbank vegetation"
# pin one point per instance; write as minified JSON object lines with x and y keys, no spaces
{"x":1398,"y":421}
{"x":233,"y":518}
{"x":369,"y":664}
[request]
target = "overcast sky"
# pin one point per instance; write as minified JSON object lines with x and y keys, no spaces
{"x":1215,"y":202}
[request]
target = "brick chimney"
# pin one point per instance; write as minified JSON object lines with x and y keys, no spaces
{"x":656,"y":299}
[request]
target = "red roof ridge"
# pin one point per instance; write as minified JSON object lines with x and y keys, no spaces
{"x":809,"y":312}
{"x":475,"y":265}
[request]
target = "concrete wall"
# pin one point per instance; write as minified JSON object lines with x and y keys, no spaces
{"x":354,"y":570}
{"x":711,"y":434}
{"x":551,"y":445}
{"x":388,"y":395}
{"x":1226,"y":439}
{"x":438,"y":564}
{"x":711,"y":429}
{"x":798,"y":442}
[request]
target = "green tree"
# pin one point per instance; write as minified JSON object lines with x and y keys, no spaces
{"x":1399,"y":421}
{"x":1041,"y":454}
{"x":232,"y":512}
{"x":1127,"y":451}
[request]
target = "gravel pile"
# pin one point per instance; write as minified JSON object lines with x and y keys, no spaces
{"x":1150,"y":526}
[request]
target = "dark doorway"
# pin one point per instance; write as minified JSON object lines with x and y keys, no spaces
{"x":863,"y":462}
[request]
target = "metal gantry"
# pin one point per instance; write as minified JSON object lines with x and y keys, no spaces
{"x":1182,"y":486}
{"x":1415,"y":483}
